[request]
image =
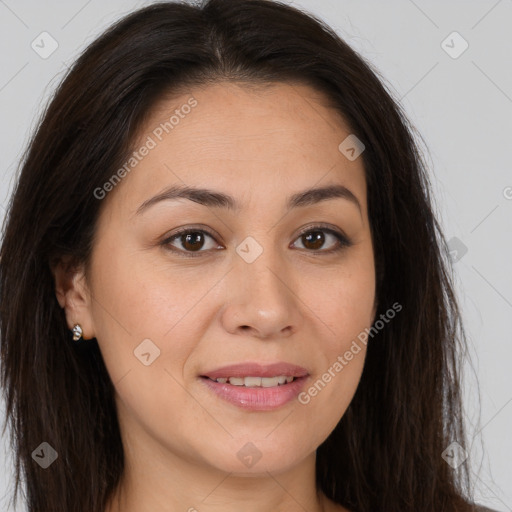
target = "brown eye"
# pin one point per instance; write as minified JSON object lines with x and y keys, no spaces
{"x":192,"y":241}
{"x":313,"y":239}
{"x":189,"y":241}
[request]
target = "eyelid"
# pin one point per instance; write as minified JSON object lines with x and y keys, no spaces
{"x":322,"y":226}
{"x":343,"y":240}
{"x":183,"y":231}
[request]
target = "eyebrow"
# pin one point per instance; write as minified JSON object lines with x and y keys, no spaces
{"x":212,"y":198}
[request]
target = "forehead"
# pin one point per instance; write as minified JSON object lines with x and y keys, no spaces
{"x":246,"y":141}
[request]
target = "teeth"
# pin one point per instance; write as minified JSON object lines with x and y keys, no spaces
{"x":252,"y":382}
{"x":255,"y":382}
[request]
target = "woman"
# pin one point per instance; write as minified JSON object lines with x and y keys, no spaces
{"x":222,"y":282}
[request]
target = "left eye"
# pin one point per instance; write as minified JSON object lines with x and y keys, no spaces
{"x":190,"y":240}
{"x":193,"y":241}
{"x":315,"y":238}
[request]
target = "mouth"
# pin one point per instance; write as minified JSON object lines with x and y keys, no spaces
{"x":253,"y":371}
{"x":255,"y":382}
{"x":256,"y":387}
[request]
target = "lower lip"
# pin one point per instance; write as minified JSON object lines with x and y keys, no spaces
{"x":257,"y":398}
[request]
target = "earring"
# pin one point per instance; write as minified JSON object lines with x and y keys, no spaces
{"x":77,"y":332}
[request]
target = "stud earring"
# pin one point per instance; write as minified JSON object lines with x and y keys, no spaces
{"x":77,"y":332}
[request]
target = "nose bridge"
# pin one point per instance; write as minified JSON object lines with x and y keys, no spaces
{"x":260,"y":265}
{"x":263,"y":297}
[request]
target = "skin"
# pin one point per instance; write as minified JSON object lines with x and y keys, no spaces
{"x":297,"y":302}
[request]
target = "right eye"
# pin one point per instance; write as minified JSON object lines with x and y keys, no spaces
{"x":191,"y":241}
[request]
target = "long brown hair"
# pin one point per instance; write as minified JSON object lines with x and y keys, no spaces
{"x":385,"y":453}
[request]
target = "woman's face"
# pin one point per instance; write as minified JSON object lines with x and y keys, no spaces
{"x":264,"y":281}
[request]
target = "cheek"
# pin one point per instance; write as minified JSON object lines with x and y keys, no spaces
{"x":130,"y":305}
{"x":144,"y":305}
{"x":344,"y":299}
{"x":347,"y":310}
{"x":345,"y":304}
{"x":145,"y":337}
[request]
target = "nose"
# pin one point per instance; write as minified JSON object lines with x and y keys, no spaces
{"x":261,"y":301}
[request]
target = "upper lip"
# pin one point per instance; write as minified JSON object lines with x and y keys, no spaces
{"x":252,"y":369}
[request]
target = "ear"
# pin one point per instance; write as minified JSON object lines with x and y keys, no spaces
{"x":73,"y":295}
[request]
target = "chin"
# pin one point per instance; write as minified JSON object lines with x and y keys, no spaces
{"x":260,"y":456}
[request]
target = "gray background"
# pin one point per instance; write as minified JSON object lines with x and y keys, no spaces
{"x":461,"y":106}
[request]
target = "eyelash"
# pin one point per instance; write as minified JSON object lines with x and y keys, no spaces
{"x":343,"y":241}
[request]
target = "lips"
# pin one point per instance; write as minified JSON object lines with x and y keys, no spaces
{"x":253,"y":369}
{"x":254,"y":386}
{"x":256,"y":398}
